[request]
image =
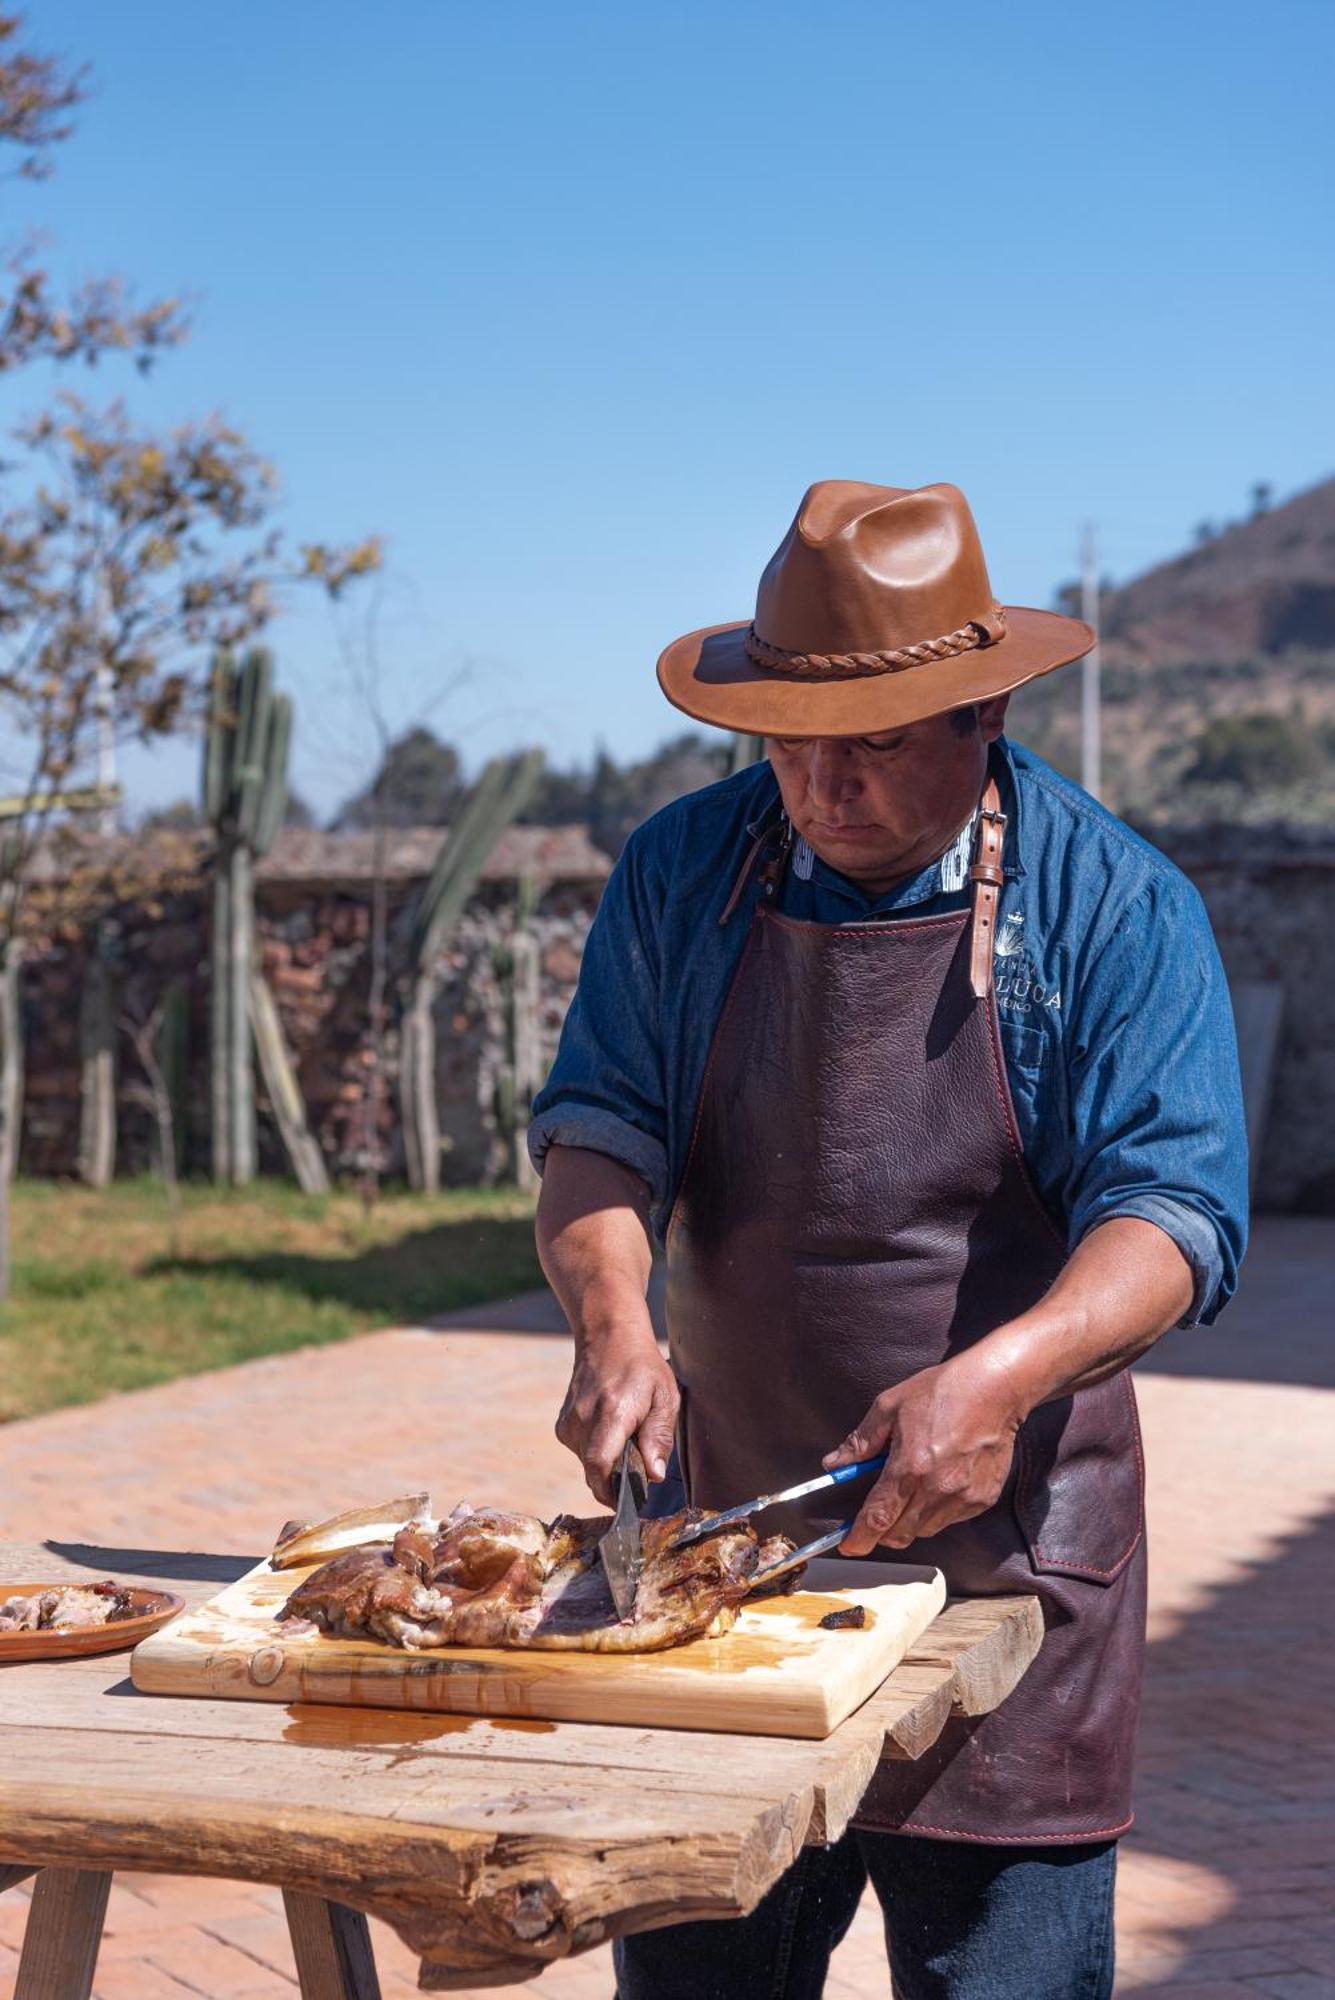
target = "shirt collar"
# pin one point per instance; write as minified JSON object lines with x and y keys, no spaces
{"x":1002,"y":766}
{"x":940,"y":877}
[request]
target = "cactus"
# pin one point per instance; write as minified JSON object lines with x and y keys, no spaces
{"x":280,"y":1080}
{"x":245,"y":793}
{"x":97,"y":1075}
{"x":518,"y":973}
{"x":502,"y":791}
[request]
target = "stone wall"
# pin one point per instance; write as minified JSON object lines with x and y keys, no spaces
{"x":1270,"y":895}
{"x":1271,"y":899}
{"x":146,"y":946}
{"x":313,"y":939}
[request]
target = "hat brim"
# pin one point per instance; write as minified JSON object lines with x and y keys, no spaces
{"x":711,"y":676}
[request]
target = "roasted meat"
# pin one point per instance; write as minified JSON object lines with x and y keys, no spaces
{"x":488,"y":1578}
{"x":480,"y":1548}
{"x":67,"y":1609}
{"x":688,"y":1593}
{"x":853,"y":1618}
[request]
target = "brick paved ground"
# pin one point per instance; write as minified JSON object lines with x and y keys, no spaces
{"x":1227,"y":1887}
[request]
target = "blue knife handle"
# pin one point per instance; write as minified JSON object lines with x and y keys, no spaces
{"x":845,"y":1473}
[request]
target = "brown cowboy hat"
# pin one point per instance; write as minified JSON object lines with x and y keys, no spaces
{"x":875,"y":611}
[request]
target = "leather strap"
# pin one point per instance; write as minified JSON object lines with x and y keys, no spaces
{"x":985,"y":631}
{"x":987,"y":878}
{"x":776,"y":821}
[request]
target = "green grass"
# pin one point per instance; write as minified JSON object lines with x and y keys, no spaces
{"x":105,"y":1296}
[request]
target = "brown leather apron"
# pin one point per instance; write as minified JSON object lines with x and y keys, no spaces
{"x":856,"y":1207}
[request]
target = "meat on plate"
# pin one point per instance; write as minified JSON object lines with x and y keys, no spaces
{"x":66,"y":1608}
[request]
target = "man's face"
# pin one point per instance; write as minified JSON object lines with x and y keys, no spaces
{"x":878,"y":808}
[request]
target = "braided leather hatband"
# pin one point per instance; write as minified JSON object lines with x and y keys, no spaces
{"x":847,"y":666}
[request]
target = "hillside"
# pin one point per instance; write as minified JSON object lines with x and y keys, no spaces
{"x":1218,"y":677}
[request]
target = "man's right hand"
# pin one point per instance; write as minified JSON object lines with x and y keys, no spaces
{"x":593,"y":1238}
{"x":621,"y":1388}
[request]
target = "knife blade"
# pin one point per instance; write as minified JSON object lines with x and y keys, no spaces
{"x":619,"y":1549}
{"x":797,"y":1558}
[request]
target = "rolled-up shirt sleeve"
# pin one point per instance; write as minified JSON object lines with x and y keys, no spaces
{"x":606,"y":1091}
{"x":1156,"y":1097}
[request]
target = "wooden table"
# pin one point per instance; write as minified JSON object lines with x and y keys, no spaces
{"x":492,"y":1847}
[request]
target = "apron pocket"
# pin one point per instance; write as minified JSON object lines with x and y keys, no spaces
{"x":1079,"y":1494}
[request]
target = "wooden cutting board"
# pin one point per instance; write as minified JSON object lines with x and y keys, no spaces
{"x":776,"y":1673}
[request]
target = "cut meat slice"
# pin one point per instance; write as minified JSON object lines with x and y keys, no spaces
{"x":480,"y":1549}
{"x":336,"y":1596}
{"x":415,"y":1549}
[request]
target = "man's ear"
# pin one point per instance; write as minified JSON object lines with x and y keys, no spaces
{"x":992,"y":716}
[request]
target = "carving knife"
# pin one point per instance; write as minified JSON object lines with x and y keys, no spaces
{"x":842,"y":1476}
{"x":619,"y":1548}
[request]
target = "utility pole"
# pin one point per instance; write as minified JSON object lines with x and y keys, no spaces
{"x":1091,"y":746}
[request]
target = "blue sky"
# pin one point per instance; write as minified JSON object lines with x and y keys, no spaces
{"x":572,"y":302}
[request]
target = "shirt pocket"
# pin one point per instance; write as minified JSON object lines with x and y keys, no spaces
{"x":1029,"y":1055}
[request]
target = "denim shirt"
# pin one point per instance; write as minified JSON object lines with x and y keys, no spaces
{"x":1116,"y":1023}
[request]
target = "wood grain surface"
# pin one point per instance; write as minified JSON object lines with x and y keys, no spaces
{"x":493,"y":1845}
{"x":776,"y":1673}
{"x":332,"y":1949}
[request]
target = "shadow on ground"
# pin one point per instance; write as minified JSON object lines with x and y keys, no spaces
{"x":538,"y":1312}
{"x":171,"y":1565}
{"x":414,"y":1279}
{"x":1277,"y":1329}
{"x":1236,"y":1782}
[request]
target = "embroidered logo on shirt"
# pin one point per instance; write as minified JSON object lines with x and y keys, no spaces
{"x":1010,"y":938}
{"x":1020,"y":992}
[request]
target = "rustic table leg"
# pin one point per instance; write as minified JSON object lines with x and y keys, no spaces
{"x":332,"y":1947}
{"x":11,"y":1876}
{"x":63,"y":1933}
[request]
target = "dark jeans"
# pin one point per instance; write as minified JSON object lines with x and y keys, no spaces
{"x":963,"y":1922}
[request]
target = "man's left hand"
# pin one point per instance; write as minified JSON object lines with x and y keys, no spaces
{"x":950,"y":1432}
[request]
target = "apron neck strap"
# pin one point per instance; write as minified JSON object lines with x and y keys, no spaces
{"x":987,"y":878}
{"x":774,"y":837}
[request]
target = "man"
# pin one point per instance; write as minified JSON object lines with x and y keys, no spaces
{"x":922,"y":1068}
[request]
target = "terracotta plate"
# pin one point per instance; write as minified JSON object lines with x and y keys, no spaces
{"x":151,"y":1609}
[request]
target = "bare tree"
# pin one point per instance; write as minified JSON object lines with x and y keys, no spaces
{"x":358,"y":635}
{"x":126,"y":552}
{"x":144,"y":1031}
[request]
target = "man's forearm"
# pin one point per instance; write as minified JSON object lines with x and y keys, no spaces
{"x":593,"y":1241}
{"x":1126,"y":1284}
{"x":950,"y":1429}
